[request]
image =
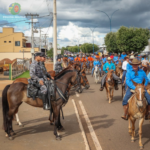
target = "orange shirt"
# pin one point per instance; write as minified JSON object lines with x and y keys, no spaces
{"x":97,"y":57}
{"x":90,"y":59}
{"x":84,"y":60}
{"x":77,"y":59}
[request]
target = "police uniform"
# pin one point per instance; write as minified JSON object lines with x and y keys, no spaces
{"x":58,"y":66}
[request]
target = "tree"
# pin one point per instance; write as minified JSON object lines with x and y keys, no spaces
{"x":111,"y":42}
{"x":88,"y":48}
{"x":50,"y":53}
{"x":132,"y":39}
{"x":73,"y":49}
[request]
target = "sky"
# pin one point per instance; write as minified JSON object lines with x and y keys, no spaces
{"x":76,"y":19}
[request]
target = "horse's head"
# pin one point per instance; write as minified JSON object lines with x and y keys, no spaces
{"x":109,"y":77}
{"x":119,"y":65}
{"x":139,"y":93}
{"x":77,"y":67}
{"x":96,"y":69}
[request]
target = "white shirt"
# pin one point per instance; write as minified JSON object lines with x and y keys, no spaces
{"x":124,"y":65}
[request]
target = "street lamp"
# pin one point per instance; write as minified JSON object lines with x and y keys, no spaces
{"x":92,"y":30}
{"x":110,"y":18}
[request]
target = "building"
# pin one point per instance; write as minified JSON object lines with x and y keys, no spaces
{"x":13,"y":44}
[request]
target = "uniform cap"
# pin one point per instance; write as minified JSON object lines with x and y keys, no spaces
{"x":37,"y":54}
{"x":43,"y":55}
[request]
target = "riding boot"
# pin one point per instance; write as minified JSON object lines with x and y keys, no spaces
{"x":116,"y":85}
{"x":45,"y":104}
{"x":147,"y":116}
{"x":101,"y":89}
{"x":125,"y":116}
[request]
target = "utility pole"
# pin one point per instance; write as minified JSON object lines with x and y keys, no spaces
{"x":54,"y":32}
{"x":32,"y":32}
{"x":45,"y":37}
{"x":40,"y":39}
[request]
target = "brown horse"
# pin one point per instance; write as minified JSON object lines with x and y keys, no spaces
{"x":109,"y":85}
{"x":137,"y":110}
{"x":13,"y":95}
{"x":119,"y":71}
{"x":90,"y":66}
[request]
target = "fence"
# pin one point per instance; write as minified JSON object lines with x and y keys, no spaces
{"x":18,"y":67}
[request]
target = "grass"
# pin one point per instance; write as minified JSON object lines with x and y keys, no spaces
{"x":24,"y":75}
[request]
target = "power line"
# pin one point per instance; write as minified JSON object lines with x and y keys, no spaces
{"x":12,"y":22}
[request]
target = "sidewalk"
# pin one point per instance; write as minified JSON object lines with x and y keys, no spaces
{"x":37,"y":134}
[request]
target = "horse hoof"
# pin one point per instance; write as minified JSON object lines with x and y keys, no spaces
{"x":51,"y":123}
{"x":21,"y":125}
{"x":10,"y":138}
{"x":6,"y":135}
{"x":58,"y":138}
{"x":132,"y":141}
{"x":13,"y":133}
{"x":141,"y":147}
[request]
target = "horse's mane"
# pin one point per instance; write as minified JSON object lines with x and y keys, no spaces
{"x":63,"y":72}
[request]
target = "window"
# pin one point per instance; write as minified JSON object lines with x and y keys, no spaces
{"x":17,"y":43}
{"x":4,"y":41}
{"x":9,"y":41}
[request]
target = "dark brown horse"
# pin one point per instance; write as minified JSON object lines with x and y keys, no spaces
{"x":119,"y":71}
{"x":13,"y":95}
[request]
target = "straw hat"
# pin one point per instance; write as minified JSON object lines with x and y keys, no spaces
{"x":108,"y":58}
{"x":135,"y":62}
{"x":127,"y":57}
{"x":132,"y":57}
{"x":106,"y":54}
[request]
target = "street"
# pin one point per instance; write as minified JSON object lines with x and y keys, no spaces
{"x":110,"y":130}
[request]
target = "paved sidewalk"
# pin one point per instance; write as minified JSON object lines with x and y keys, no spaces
{"x":37,"y":134}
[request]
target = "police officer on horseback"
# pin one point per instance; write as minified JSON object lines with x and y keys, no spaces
{"x":58,"y":66}
{"x":37,"y":76}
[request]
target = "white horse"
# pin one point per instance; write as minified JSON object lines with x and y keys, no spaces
{"x":96,"y":74}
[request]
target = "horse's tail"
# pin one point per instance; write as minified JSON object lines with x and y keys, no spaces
{"x":5,"y":106}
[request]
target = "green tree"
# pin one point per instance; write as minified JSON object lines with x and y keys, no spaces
{"x":50,"y":53}
{"x":73,"y":49}
{"x":88,"y":48}
{"x":132,"y":39}
{"x":111,"y":42}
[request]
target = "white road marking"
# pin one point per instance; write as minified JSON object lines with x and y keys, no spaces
{"x":77,"y":95}
{"x":81,"y":127}
{"x":92,"y":132}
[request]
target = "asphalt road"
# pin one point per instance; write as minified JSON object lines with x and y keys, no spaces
{"x":110,"y":129}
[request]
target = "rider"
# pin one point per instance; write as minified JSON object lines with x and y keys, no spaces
{"x":115,"y":59}
{"x":109,"y":66}
{"x":83,"y":60}
{"x":123,"y":55}
{"x":105,"y":58}
{"x":37,"y":75}
{"x":96,"y":63}
{"x":124,"y":68}
{"x":145,"y":62}
{"x":137,"y":75}
{"x":58,"y":66}
{"x":42,"y":64}
{"x":71,"y":58}
{"x":77,"y":58}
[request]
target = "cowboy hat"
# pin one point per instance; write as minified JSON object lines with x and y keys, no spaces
{"x":106,"y":54}
{"x":135,"y":62}
{"x":108,"y":58}
{"x":132,"y":57}
{"x":126,"y":57}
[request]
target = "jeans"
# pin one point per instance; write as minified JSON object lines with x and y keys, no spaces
{"x":124,"y":75}
{"x":129,"y":94}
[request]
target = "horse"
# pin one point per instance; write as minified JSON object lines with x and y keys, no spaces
{"x":109,"y":85}
{"x":119,"y":71}
{"x":96,"y":73}
{"x":13,"y":95}
{"x":137,"y":110}
{"x":102,"y":72}
{"x":90,"y":66}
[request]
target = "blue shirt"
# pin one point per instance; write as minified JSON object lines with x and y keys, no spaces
{"x":111,"y":66}
{"x":129,"y":67}
{"x":123,"y":56}
{"x":96,"y":63}
{"x":71,"y":58}
{"x":104,"y":60}
{"x":118,"y":60}
{"x":136,"y":78}
{"x":115,"y":58}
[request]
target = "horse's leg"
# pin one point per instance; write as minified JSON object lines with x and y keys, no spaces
{"x":60,"y":127}
{"x":112,"y":94}
{"x":109,"y":95}
{"x":106,"y":92}
{"x":133,"y":129}
{"x":141,"y":120}
{"x":56,"y":112}
{"x":18,"y":121}
{"x":129,"y":127}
